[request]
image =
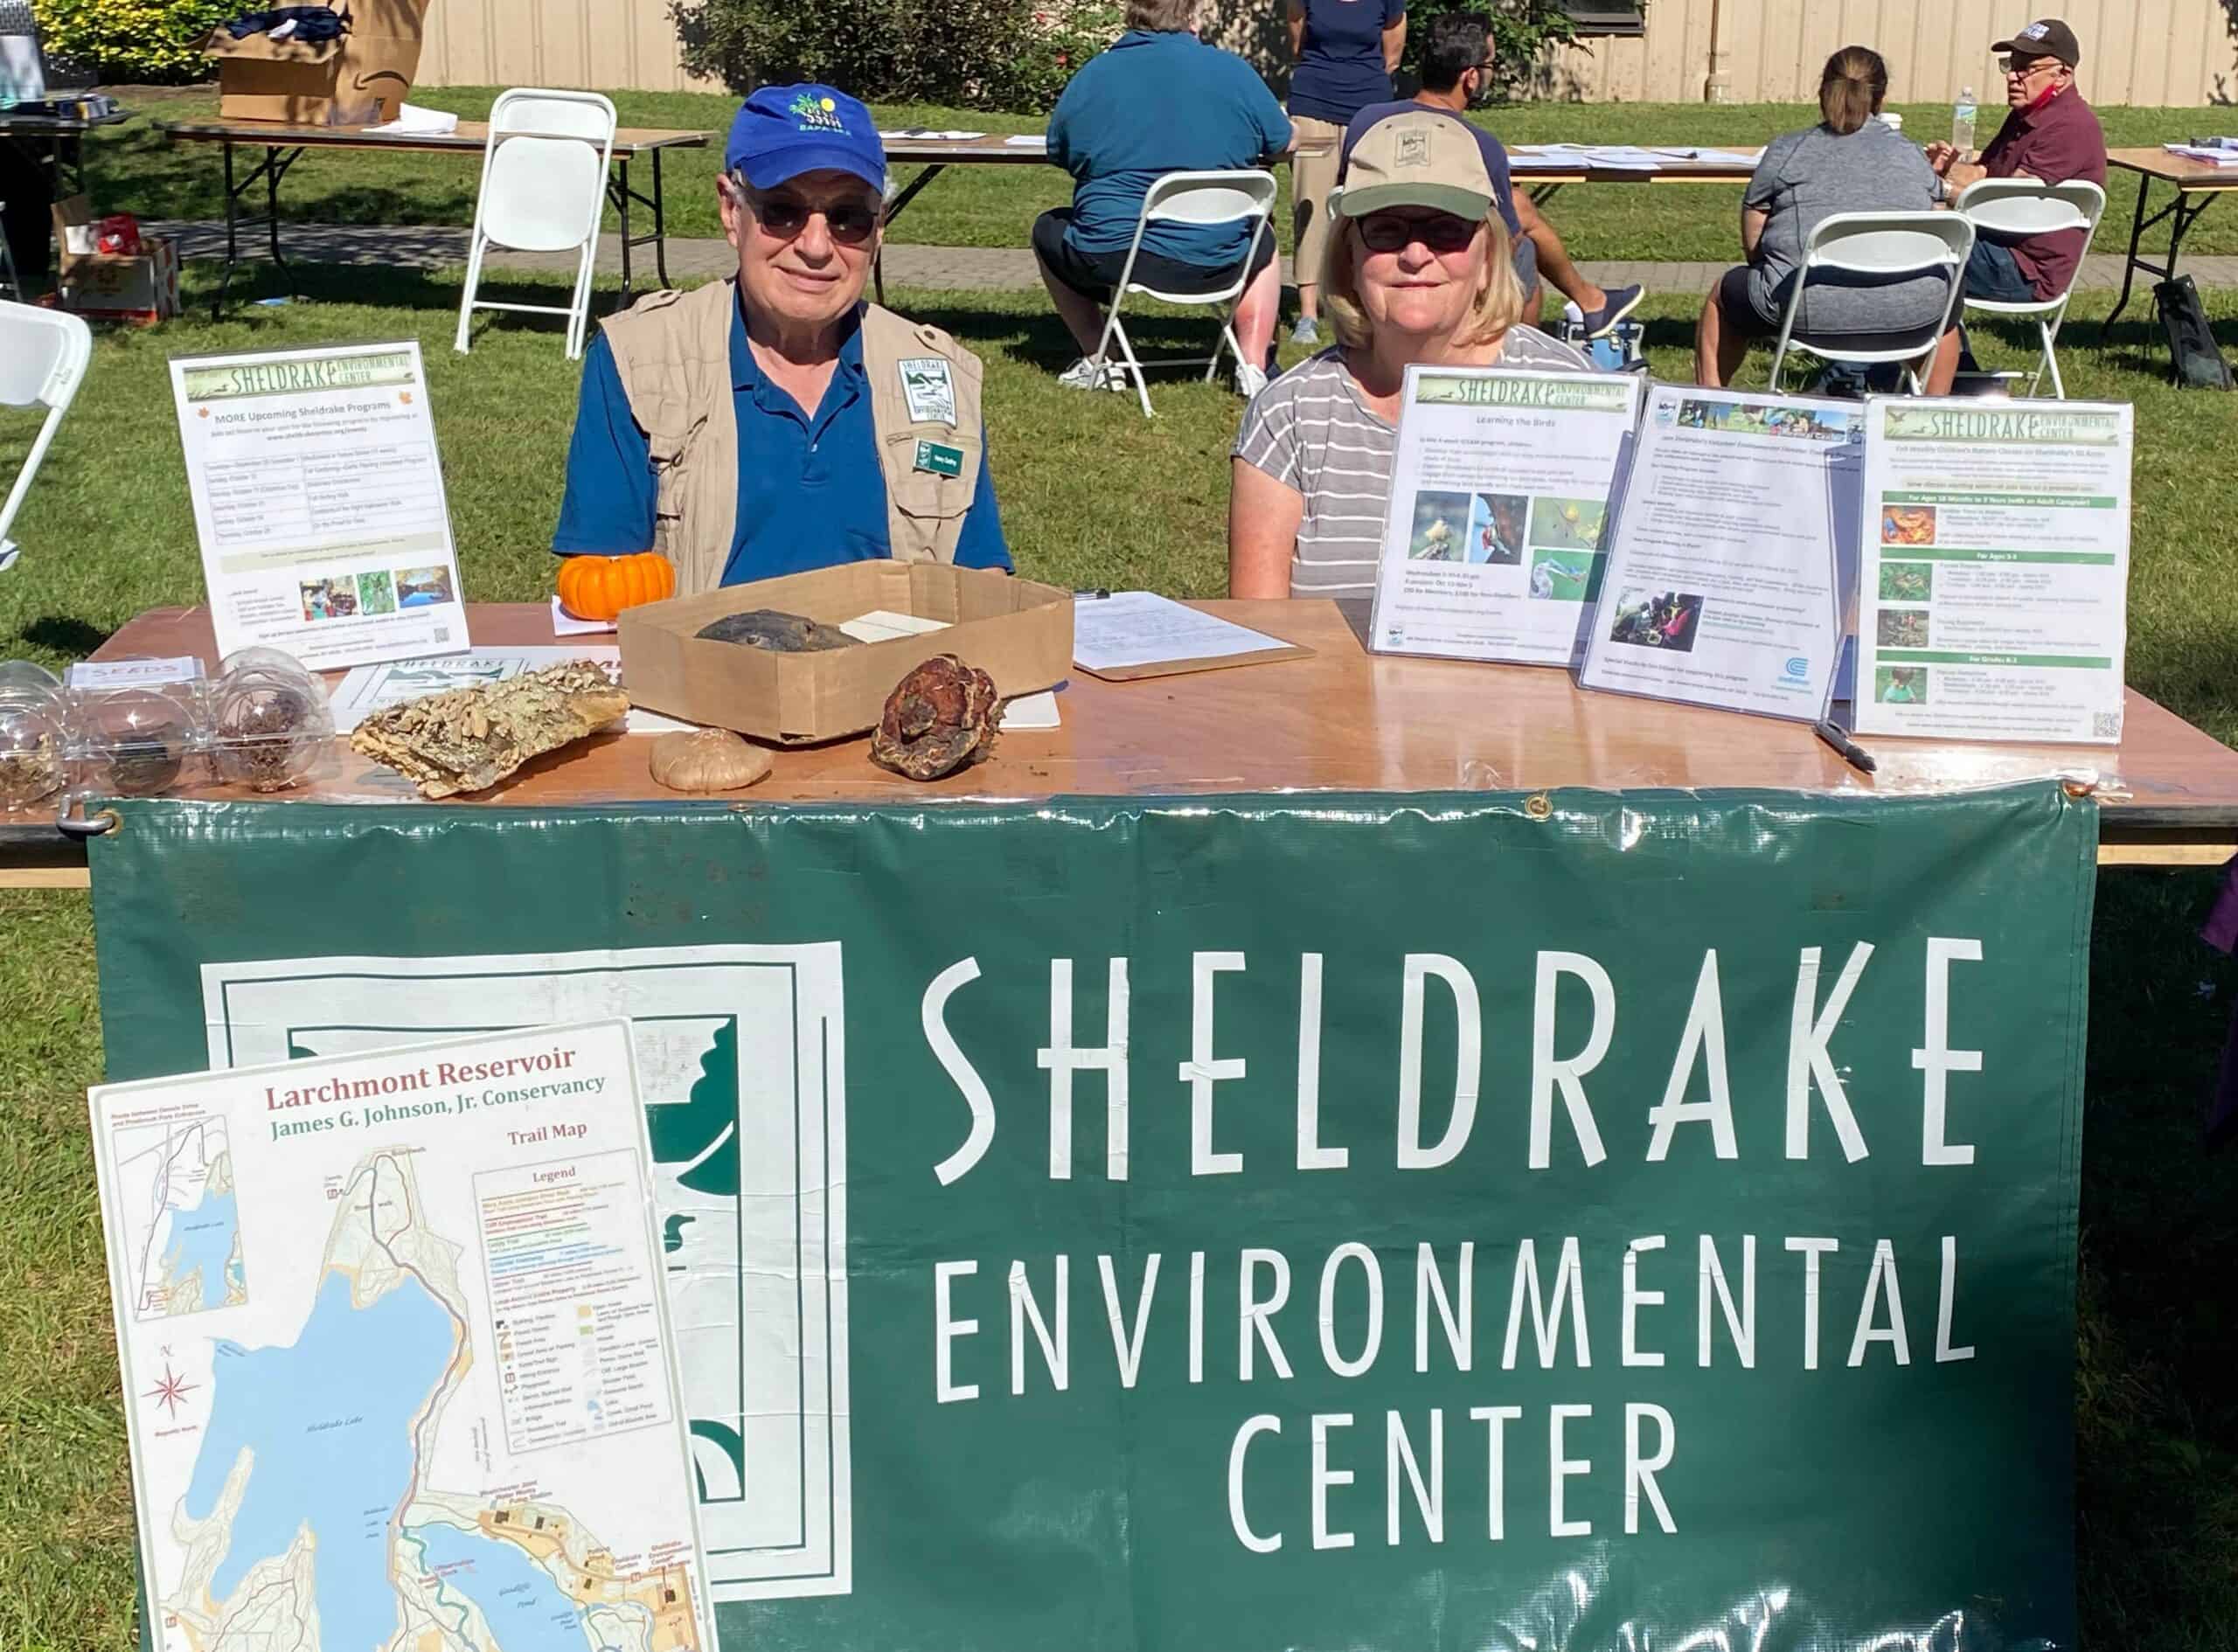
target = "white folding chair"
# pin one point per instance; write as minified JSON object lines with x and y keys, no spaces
{"x":43,"y":357}
{"x":543,"y":190}
{"x":1888,"y":247}
{"x":2013,"y":207}
{"x":1200,"y":198}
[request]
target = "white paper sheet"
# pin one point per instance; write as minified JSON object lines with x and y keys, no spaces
{"x":883,"y":625}
{"x":117,"y":674}
{"x":1027,"y":141}
{"x":1499,"y":494}
{"x":424,"y":1281}
{"x":1030,"y":711}
{"x":1732,"y":553}
{"x":929,"y":135}
{"x":319,"y":500}
{"x":1992,"y":589}
{"x":565,"y":624}
{"x":1139,"y":627}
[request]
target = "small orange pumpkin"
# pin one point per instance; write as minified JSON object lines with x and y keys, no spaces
{"x":600,"y":587}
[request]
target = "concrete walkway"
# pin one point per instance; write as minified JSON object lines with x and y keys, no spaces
{"x":963,"y":268}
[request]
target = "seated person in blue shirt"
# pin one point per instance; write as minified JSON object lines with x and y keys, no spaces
{"x":1456,"y":70}
{"x":776,"y":422}
{"x":1156,"y":100}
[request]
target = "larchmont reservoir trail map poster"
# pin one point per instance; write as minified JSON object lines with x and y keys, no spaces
{"x":395,"y":1353}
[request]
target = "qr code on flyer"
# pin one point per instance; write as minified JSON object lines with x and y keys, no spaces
{"x":2105,"y":725}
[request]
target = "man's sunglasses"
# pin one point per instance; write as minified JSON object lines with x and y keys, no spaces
{"x":1395,"y":232}
{"x":848,"y":223}
{"x":2023,"y":67}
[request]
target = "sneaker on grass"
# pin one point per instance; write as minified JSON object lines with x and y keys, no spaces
{"x":1085,"y":374}
{"x":1307,"y":332}
{"x":1250,"y":380}
{"x":1616,"y":303}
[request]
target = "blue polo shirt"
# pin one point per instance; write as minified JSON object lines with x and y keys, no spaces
{"x":1153,"y":102}
{"x":810,"y":493}
{"x":1340,"y":61}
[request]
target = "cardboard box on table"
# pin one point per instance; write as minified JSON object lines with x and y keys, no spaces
{"x":1017,"y":632}
{"x":141,"y":287}
{"x":359,"y":79}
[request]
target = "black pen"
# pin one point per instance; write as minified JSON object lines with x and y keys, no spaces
{"x":1855,"y":755}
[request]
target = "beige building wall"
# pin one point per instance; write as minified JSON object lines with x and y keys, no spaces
{"x":2150,"y":51}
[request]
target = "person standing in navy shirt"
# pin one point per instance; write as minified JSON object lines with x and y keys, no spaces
{"x":748,"y":428}
{"x":1158,"y":100}
{"x":1345,"y":50}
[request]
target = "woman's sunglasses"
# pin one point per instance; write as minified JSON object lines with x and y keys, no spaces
{"x":848,"y":223}
{"x":1395,"y":232}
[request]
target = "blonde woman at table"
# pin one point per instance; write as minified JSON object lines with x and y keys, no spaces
{"x":1418,"y":269}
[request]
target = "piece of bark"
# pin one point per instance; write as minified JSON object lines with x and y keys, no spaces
{"x":777,"y":631}
{"x":467,"y":740}
{"x":939,"y":718}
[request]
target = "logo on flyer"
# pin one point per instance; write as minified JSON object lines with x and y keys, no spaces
{"x":929,"y":386}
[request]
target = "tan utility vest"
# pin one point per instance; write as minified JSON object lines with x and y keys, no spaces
{"x":673,"y":353}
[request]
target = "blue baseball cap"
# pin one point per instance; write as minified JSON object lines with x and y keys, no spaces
{"x":783,"y":131}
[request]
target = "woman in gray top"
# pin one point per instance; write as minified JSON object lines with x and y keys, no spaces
{"x":1848,"y":163}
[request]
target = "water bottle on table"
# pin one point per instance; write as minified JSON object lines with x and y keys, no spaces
{"x":1962,"y":124}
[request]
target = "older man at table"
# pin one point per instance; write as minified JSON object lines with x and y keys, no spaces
{"x":2049,"y":134}
{"x":1456,"y":70}
{"x":1157,"y":100}
{"x":774,"y":422}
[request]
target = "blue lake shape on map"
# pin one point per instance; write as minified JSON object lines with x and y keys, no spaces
{"x":202,"y":1240}
{"x":526,"y":1609}
{"x":330,"y":1420}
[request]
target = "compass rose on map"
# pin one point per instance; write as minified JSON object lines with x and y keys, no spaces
{"x":170,"y":1390}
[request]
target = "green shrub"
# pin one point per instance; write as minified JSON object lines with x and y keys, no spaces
{"x":157,"y":41}
{"x":984,"y":54}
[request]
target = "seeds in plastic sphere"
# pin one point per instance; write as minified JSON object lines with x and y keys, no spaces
{"x":263,"y":741}
{"x":30,"y":765}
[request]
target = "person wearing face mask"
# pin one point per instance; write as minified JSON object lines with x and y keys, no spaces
{"x":772,"y":422}
{"x":1417,"y":269}
{"x":1457,"y":71}
{"x":2049,"y":134}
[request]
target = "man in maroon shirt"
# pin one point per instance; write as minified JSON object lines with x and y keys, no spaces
{"x":2050,"y":135}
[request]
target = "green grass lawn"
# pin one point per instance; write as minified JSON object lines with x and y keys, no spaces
{"x":133,"y":169}
{"x":1093,"y":495}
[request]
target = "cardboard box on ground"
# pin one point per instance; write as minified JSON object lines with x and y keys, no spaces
{"x":1017,"y":632}
{"x":359,"y":79}
{"x":139,"y":286}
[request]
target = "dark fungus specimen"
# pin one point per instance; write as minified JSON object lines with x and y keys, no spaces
{"x":939,"y":718}
{"x":778,"y":632}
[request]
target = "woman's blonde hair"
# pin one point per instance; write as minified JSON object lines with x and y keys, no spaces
{"x":1850,"y":88}
{"x":1162,"y":16}
{"x":1498,"y":304}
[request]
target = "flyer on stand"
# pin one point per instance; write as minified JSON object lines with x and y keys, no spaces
{"x":1730,"y":556}
{"x":398,"y":1367}
{"x":1492,"y":548}
{"x":1993,"y":600}
{"x":318,"y":499}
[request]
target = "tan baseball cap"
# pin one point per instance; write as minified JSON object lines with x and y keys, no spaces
{"x":1420,"y":158}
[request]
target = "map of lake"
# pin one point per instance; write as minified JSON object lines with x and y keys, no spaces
{"x":329,"y":1418}
{"x":525,"y":1609}
{"x":202,"y":1241}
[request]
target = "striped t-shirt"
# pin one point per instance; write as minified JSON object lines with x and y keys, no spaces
{"x":1310,"y":431}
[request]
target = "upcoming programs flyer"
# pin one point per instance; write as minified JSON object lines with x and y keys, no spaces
{"x":396,"y":1354}
{"x":1493,"y":547}
{"x":318,"y":498}
{"x":1728,"y":569}
{"x":1994,"y":585}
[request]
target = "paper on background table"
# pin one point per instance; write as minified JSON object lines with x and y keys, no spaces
{"x":1140,"y":627}
{"x":1027,"y":141}
{"x":565,"y":624}
{"x":374,"y":688}
{"x":448,"y":1305}
{"x":1714,"y":157}
{"x":928,"y":134}
{"x":1031,"y":712}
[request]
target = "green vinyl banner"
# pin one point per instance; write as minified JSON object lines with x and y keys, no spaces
{"x":1240,"y":1224}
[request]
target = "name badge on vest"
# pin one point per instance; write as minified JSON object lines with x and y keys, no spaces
{"x":940,"y":459}
{"x":930,"y":391}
